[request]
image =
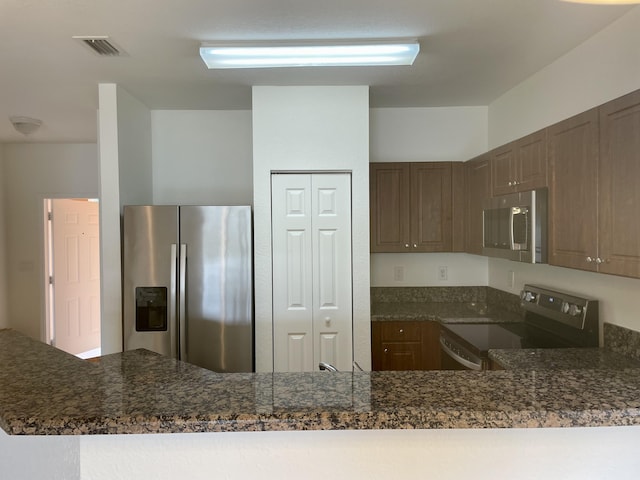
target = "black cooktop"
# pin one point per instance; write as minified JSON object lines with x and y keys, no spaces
{"x":484,"y":336}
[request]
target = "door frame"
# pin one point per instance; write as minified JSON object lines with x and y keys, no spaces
{"x":46,"y":261}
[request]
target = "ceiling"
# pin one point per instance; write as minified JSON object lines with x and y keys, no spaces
{"x":472,"y":51}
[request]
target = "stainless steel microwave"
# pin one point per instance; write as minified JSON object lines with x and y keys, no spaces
{"x":515,"y":226}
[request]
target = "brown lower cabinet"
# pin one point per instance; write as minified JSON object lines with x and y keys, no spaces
{"x":405,"y":345}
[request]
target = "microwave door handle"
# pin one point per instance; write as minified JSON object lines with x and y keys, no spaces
{"x":512,"y":244}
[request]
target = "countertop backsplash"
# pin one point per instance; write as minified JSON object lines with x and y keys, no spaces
{"x":483,"y":300}
{"x":622,"y":340}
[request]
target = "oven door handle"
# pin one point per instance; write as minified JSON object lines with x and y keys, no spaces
{"x":458,"y":358}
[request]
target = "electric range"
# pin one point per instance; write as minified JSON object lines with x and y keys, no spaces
{"x":552,"y":319}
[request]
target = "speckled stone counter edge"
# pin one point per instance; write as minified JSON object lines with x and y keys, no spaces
{"x":408,"y":419}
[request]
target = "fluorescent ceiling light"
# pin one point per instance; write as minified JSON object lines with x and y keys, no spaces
{"x":265,"y":55}
{"x":604,"y":2}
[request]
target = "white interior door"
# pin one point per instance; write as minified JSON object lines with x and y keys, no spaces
{"x":76,"y":275}
{"x":331,"y":264}
{"x":312,"y":306}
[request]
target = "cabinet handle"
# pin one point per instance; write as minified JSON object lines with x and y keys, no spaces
{"x":415,"y":245}
{"x":589,"y":259}
{"x":406,"y":245}
{"x":386,"y":350}
{"x":510,"y":183}
{"x":599,"y":260}
{"x":401,"y":330}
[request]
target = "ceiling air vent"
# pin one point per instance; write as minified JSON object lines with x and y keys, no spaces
{"x":101,"y":45}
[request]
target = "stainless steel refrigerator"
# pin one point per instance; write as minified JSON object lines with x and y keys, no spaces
{"x":188,"y":284}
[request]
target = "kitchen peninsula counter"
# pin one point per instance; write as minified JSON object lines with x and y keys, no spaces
{"x":44,"y":391}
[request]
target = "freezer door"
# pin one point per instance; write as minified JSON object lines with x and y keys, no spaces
{"x":149,"y":278}
{"x":218,"y":294}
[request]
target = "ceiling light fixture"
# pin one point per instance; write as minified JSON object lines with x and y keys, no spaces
{"x":269,"y":55}
{"x":25,"y":125}
{"x":604,"y":2}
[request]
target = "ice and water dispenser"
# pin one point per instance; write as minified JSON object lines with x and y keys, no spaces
{"x":151,"y":309}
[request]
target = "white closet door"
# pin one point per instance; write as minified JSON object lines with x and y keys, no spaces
{"x":332,"y":305}
{"x":312,"y":307}
{"x":292,"y":273}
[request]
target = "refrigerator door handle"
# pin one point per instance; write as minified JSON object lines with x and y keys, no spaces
{"x":182,"y":313}
{"x":173,"y":291}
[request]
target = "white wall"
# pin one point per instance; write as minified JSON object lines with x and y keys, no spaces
{"x":202,"y":157}
{"x":604,"y":67}
{"x":33,"y":172}
{"x":306,"y":129}
{"x":4,"y":276}
{"x":444,"y":134}
{"x":421,"y":269}
{"x":486,"y":454}
{"x":427,"y":135}
{"x":124,"y":138}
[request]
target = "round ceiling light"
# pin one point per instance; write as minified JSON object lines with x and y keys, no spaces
{"x":25,"y":125}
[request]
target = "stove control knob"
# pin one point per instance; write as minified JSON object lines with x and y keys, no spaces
{"x":575,"y":310}
{"x":565,"y":307}
{"x":528,"y":296}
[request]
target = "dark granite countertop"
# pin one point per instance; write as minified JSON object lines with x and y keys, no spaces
{"x":44,"y":391}
{"x":562,"y":359}
{"x":443,"y":312}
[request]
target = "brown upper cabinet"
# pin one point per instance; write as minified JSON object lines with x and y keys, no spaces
{"x":573,"y":200}
{"x":520,"y":165}
{"x":415,"y":207}
{"x":619,"y":187}
{"x":477,"y":181}
{"x":594,"y":161}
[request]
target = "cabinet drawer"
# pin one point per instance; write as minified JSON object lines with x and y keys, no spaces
{"x":401,"y":332}
{"x":401,"y":356}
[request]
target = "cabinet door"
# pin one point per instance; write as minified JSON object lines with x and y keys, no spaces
{"x":573,"y":164}
{"x":503,"y":169}
{"x":458,"y":207}
{"x":405,"y":345}
{"x":520,"y":165}
{"x":389,"y":197}
{"x":431,"y":209}
{"x":619,"y":190}
{"x":477,"y":182}
{"x":396,"y":345}
{"x":431,"y":345}
{"x":401,"y":356}
{"x":531,"y":166}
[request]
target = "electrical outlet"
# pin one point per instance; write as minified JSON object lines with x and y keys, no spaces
{"x":398,"y":273}
{"x":443,"y":274}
